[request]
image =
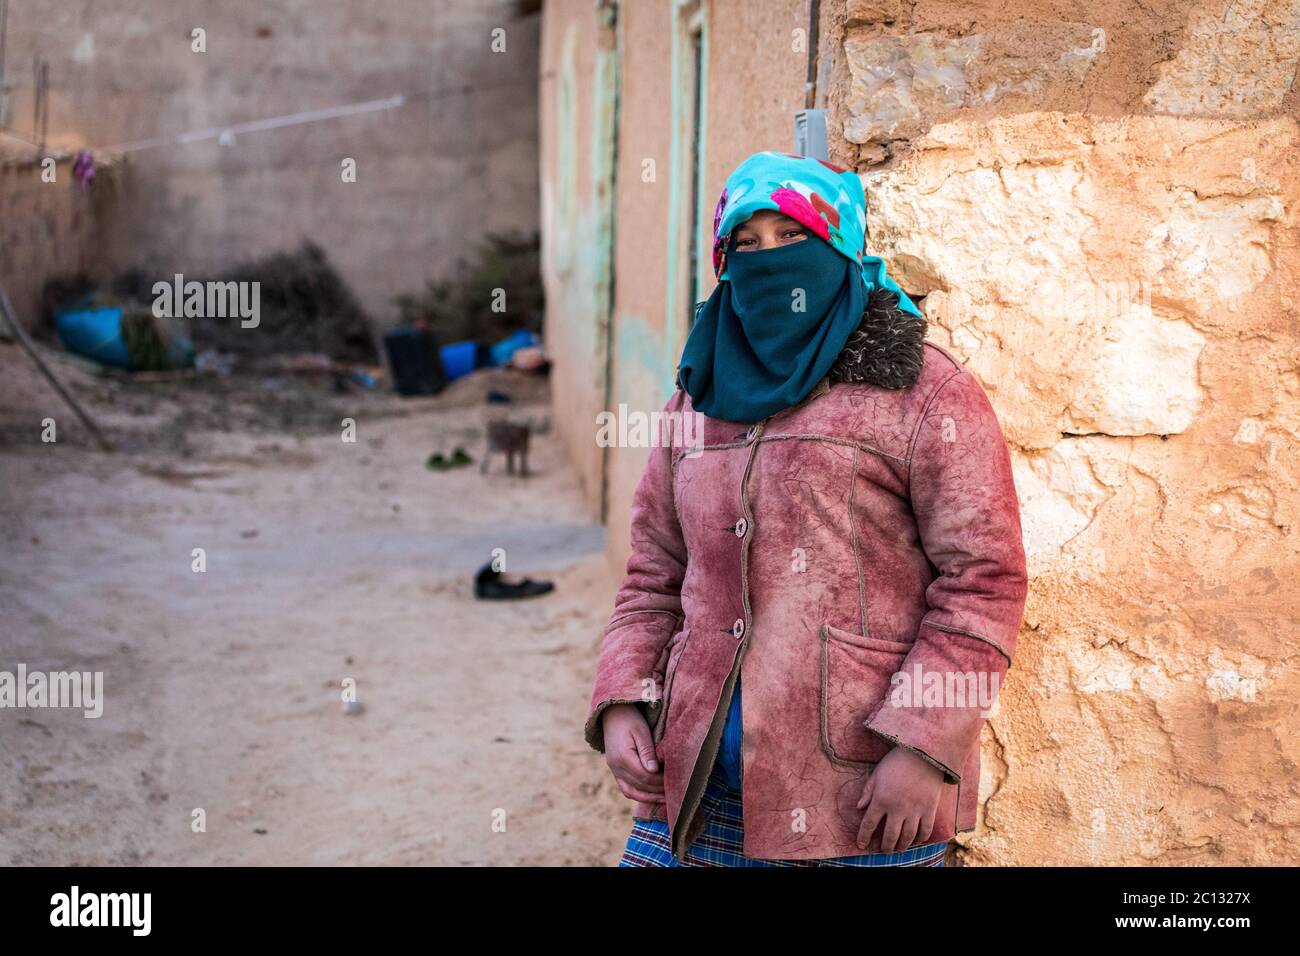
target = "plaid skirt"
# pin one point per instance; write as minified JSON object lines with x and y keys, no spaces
{"x":722,"y":840}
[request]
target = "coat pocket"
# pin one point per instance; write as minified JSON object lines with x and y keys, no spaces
{"x":670,"y":674}
{"x":856,"y":673}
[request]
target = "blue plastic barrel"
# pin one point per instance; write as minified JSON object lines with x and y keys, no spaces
{"x":93,"y":333}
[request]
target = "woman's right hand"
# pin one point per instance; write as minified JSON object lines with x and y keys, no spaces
{"x":630,"y":753}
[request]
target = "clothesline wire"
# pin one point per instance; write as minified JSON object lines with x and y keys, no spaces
{"x":293,"y":119}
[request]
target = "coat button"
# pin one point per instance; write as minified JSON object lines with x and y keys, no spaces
{"x":738,"y":629}
{"x":741,"y":527}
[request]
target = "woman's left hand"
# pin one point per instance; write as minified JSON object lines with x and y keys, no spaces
{"x":902,"y":792}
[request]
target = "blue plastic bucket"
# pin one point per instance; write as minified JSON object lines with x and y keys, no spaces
{"x":458,"y":359}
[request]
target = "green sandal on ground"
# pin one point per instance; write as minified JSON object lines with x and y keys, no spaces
{"x":440,"y":462}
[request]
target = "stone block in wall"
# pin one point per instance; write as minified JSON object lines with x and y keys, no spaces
{"x":1237,"y":59}
{"x":1081,"y":265}
{"x":901,"y":84}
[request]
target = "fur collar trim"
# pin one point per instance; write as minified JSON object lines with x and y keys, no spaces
{"x":887,"y":347}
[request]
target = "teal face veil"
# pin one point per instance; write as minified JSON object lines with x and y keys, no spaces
{"x":779,"y":318}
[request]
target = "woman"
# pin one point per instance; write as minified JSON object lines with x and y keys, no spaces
{"x":844,"y":542}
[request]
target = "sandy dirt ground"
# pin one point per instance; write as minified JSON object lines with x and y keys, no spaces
{"x":325,"y":560}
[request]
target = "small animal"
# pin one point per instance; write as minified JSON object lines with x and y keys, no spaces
{"x":508,"y":438}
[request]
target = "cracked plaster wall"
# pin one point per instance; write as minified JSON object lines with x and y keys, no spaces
{"x":1100,"y":208}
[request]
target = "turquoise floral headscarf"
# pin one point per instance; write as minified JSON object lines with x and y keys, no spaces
{"x":827,"y":199}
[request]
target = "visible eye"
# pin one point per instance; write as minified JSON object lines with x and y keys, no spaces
{"x":794,"y":233}
{"x":742,"y":243}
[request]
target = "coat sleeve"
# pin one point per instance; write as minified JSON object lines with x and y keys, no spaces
{"x":648,"y":606}
{"x":968,"y":516}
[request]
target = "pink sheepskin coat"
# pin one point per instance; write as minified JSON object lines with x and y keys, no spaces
{"x":857,"y":561}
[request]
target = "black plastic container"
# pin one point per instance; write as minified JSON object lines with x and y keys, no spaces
{"x":415,"y":361}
